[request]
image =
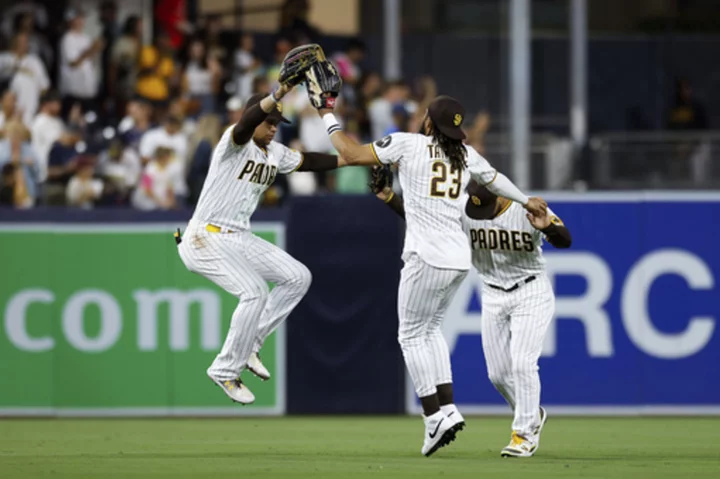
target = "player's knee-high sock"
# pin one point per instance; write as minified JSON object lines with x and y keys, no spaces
{"x":282,"y":300}
{"x":237,"y":348}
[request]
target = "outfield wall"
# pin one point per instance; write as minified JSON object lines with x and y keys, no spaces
{"x":99,"y":316}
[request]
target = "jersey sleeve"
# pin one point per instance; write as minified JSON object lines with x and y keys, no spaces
{"x":391,"y":149}
{"x":480,"y":170}
{"x":290,"y":160}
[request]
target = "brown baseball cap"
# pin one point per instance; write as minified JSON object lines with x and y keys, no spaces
{"x":481,"y":204}
{"x":447,"y":114}
{"x":276,"y":114}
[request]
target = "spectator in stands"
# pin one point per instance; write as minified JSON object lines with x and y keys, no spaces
{"x":202,"y":142}
{"x":234,"y":109}
{"x":83,"y":190}
{"x":46,"y":129}
{"x":171,"y":22}
{"x":370,"y":89}
{"x":38,"y":44}
{"x":124,"y":62}
{"x":156,"y":72}
{"x":477,"y":131}
{"x":282,"y":47}
{"x":400,"y":120}
{"x":120,"y":168}
{"x":136,"y":123}
{"x":16,"y":149}
{"x":29,"y":78}
{"x":348,"y":61}
{"x":213,"y":38}
{"x":294,"y":21}
{"x":110,"y":33}
{"x":78,"y":72}
{"x":8,"y":110}
{"x":161,"y":185}
{"x":687,"y":113}
{"x":247,"y":66}
{"x":380,"y":110}
{"x":62,"y":164}
{"x":201,"y":79}
{"x":12,"y":187}
{"x":260,"y":85}
{"x":169,"y":136}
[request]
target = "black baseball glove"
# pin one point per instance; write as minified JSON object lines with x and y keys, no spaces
{"x":380,"y":178}
{"x":323,"y":84}
{"x":298,"y":61}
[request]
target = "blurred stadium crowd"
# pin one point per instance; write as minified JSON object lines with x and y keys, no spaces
{"x":114,"y":122}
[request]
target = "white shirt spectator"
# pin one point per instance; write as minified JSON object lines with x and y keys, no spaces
{"x":46,"y":130}
{"x":160,"y":180}
{"x":125,"y":171}
{"x":244,"y":62}
{"x":28,"y":83}
{"x":199,"y":80}
{"x":80,"y":81}
{"x":79,"y":190}
{"x":157,"y":137}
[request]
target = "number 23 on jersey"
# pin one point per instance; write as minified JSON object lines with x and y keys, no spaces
{"x":443,"y":185}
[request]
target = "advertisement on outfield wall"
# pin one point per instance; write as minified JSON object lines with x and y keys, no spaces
{"x":106,"y":320}
{"x":637,"y":310}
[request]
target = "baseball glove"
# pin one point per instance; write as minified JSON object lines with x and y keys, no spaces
{"x":380,"y":178}
{"x":323,"y":84}
{"x":298,"y":61}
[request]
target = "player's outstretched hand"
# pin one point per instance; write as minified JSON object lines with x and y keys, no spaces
{"x":323,"y":85}
{"x":539,"y":222}
{"x":536,"y":206}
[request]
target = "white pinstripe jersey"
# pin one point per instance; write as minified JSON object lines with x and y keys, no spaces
{"x":237,"y":179}
{"x":433,"y":197}
{"x":506,"y":249}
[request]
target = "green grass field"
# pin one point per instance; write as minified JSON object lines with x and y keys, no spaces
{"x":353,"y":447}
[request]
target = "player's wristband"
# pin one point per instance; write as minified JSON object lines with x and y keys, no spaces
{"x":390,"y":197}
{"x":273,"y":95}
{"x":331,"y":123}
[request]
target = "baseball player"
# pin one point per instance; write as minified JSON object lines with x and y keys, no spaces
{"x":218,"y":243}
{"x":435,"y":168}
{"x":518,"y":302}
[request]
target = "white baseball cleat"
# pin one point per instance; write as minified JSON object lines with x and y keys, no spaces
{"x":519,"y":447}
{"x":456,"y":419}
{"x":257,"y":367}
{"x":439,"y":432}
{"x":235,"y":390}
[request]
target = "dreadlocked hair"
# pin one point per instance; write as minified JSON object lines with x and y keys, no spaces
{"x":454,"y":150}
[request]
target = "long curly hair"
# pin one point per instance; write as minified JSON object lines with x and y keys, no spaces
{"x":454,"y":150}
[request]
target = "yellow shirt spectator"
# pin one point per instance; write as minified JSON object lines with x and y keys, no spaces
{"x":155,"y":74}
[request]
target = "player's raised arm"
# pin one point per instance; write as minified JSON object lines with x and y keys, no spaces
{"x":496,"y":182}
{"x":323,"y":84}
{"x":296,"y":63}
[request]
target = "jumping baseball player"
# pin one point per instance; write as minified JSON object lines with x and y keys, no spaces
{"x":518,"y":302}
{"x":435,"y":168}
{"x":218,"y":243}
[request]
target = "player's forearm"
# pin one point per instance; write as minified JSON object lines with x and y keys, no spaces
{"x":395,"y":202}
{"x":252,"y":118}
{"x":558,"y":236}
{"x":319,"y":162}
{"x":502,"y":186}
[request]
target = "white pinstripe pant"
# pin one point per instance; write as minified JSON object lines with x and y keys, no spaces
{"x":424,"y":295}
{"x":242,"y":264}
{"x":514,"y":325}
